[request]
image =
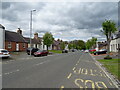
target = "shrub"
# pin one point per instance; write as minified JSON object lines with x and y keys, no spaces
{"x":108,"y":57}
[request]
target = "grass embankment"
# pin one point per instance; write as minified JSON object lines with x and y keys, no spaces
{"x":112,"y":65}
{"x":55,"y":51}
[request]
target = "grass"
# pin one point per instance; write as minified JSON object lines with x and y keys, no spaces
{"x":56,"y":51}
{"x":112,"y":65}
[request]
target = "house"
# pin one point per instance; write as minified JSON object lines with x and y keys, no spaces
{"x":102,"y":45}
{"x":56,"y":45}
{"x":2,"y":36}
{"x":37,"y":42}
{"x":14,"y":41}
{"x":115,"y":43}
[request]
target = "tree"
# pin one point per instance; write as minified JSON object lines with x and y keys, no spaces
{"x":62,"y":45}
{"x":91,"y":43}
{"x":48,"y":39}
{"x":69,"y":46}
{"x":109,"y":28}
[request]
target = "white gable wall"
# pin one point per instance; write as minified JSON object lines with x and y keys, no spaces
{"x":2,"y":38}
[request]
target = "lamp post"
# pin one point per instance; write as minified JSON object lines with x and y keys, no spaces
{"x":31,"y":30}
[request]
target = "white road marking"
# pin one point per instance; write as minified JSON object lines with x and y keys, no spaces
{"x":41,"y":63}
{"x":11,"y":72}
{"x":0,"y":75}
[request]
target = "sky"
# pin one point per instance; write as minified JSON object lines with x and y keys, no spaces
{"x":65,"y":20}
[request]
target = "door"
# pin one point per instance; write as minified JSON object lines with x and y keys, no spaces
{"x":17,"y":47}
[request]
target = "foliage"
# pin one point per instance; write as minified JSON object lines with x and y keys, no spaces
{"x":48,"y":39}
{"x":55,"y":51}
{"x":62,"y":45}
{"x":109,"y":28}
{"x":76,"y":44}
{"x":91,"y":42}
{"x":112,"y":66}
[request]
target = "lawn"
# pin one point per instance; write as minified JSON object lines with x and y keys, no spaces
{"x":112,"y":65}
{"x":56,"y":51}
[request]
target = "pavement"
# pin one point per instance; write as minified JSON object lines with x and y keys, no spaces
{"x":68,"y":70}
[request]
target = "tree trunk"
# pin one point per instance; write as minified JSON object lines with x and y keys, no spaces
{"x":47,"y":47}
{"x":108,"y":47}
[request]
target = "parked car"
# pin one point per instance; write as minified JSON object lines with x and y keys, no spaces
{"x":73,"y":50}
{"x":102,"y":51}
{"x":4,"y":53}
{"x":32,"y":50}
{"x":64,"y":51}
{"x":92,"y":50}
{"x":41,"y":53}
{"x":86,"y":51}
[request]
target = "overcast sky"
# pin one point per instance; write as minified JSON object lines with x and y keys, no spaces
{"x":65,"y":20}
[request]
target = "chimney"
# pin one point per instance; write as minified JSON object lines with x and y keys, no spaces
{"x":36,"y":35}
{"x":19,"y":31}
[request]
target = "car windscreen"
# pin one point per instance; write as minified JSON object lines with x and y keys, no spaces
{"x":4,"y":51}
{"x":39,"y":51}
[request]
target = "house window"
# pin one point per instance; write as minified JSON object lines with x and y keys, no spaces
{"x":24,"y":45}
{"x":9,"y":45}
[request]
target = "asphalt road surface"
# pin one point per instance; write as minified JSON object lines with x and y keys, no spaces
{"x":69,"y":70}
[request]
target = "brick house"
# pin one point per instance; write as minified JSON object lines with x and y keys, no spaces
{"x":14,"y":41}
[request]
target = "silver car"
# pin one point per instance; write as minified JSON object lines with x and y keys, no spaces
{"x":4,"y":53}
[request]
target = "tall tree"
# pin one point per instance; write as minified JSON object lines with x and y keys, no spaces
{"x":109,"y":28}
{"x":48,"y":39}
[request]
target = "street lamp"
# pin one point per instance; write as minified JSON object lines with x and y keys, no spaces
{"x":31,"y":29}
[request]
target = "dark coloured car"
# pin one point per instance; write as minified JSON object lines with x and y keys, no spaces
{"x":73,"y":50}
{"x":64,"y":51}
{"x":32,"y":50}
{"x":41,"y":53}
{"x":102,"y":51}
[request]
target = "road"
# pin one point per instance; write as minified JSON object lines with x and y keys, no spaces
{"x":69,"y":70}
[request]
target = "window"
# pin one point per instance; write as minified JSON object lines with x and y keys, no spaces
{"x":9,"y":45}
{"x":24,"y":45}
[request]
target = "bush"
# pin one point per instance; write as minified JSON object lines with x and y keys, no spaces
{"x":108,"y":57}
{"x":92,"y":52}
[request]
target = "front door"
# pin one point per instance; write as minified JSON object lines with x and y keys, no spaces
{"x":17,"y":47}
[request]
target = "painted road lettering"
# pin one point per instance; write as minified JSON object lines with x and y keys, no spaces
{"x":87,"y":83}
{"x":88,"y":72}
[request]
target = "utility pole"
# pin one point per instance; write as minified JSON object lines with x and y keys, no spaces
{"x":31,"y":30}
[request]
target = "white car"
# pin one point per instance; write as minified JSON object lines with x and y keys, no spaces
{"x":86,"y":51}
{"x":4,"y":53}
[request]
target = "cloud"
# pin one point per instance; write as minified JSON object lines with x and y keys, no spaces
{"x":65,"y":20}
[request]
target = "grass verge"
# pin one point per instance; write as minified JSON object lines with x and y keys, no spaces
{"x":112,"y":65}
{"x":56,"y":51}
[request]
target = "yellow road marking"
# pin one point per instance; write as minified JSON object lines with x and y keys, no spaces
{"x":91,"y":73}
{"x":92,"y":83}
{"x":110,"y":83}
{"x":61,"y":88}
{"x":85,"y":71}
{"x":73,"y":68}
{"x":78,"y":84}
{"x":69,"y":75}
{"x":97,"y":83}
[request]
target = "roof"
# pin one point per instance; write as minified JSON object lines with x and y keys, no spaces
{"x":2,"y":26}
{"x":56,"y":42}
{"x":13,"y":37}
{"x":34,"y":41}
